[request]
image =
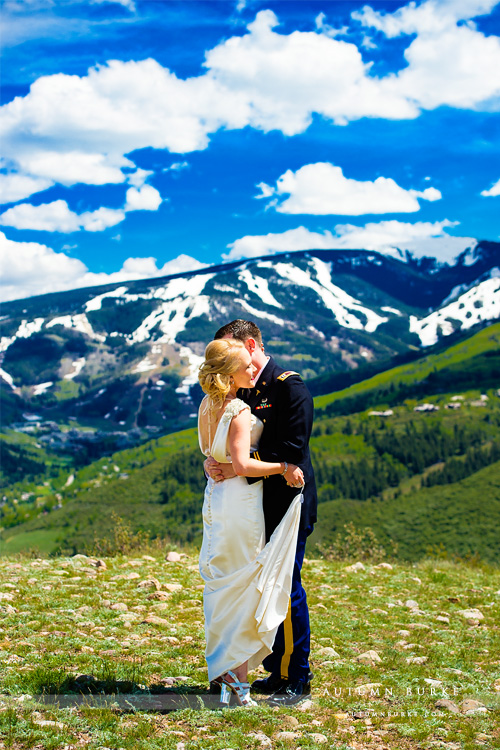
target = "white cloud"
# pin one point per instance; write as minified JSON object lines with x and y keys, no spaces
{"x":15,"y":187}
{"x":251,"y":246}
{"x":278,"y":81}
{"x":145,"y":198}
{"x":58,"y":217}
{"x":321,"y":188}
{"x":447,"y":64}
{"x":429,"y":194}
{"x":72,"y":129}
{"x":146,"y":267}
{"x":71,"y":167}
{"x":326,"y":29}
{"x":457,"y":68}
{"x":430,"y":17}
{"x":389,"y":237}
{"x":101,"y":219}
{"x":129,"y":4}
{"x":48,"y":217}
{"x":139,"y":177}
{"x":266,"y":190}
{"x":177,"y":166}
{"x":29,"y":268}
{"x":493,"y":191}
{"x":79,"y":128}
{"x":39,"y":169}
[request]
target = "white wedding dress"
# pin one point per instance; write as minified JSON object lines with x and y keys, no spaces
{"x":247,"y":583}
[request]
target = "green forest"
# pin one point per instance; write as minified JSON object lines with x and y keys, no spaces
{"x":425,"y":482}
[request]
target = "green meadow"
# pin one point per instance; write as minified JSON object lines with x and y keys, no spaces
{"x":108,"y":653}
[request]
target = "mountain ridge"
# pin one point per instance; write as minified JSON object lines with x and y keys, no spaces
{"x":125,"y":355}
{"x":425,"y":263}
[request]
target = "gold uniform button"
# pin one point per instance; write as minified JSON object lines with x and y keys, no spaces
{"x":263,"y":420}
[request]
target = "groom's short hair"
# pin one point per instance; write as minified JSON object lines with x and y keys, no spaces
{"x":240,"y":330}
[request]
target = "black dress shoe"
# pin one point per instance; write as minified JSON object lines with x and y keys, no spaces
{"x":269,"y":685}
{"x":215,"y":687}
{"x":292,"y":693}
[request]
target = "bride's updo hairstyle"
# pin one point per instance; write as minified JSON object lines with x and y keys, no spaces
{"x":222,"y":360}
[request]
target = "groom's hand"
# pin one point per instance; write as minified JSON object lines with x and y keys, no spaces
{"x":218,"y":472}
{"x":294,"y":476}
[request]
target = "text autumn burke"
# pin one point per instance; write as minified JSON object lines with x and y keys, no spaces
{"x":378,"y":690}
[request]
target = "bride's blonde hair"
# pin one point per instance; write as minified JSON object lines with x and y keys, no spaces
{"x":222,"y":360}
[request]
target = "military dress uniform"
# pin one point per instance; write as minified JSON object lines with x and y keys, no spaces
{"x":285,"y":406}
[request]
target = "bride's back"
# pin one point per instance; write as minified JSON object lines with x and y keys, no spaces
{"x":208,"y":421}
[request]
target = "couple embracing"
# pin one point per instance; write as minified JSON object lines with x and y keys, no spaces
{"x":254,"y":426}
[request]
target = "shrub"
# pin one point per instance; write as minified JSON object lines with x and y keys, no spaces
{"x":359,"y":544}
{"x":122,"y":541}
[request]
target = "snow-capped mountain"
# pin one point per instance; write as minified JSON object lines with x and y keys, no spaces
{"x":127,"y":354}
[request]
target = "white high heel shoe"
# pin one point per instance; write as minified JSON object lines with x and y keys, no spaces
{"x":240,"y":690}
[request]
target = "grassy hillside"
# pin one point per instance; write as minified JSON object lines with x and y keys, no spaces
{"x":418,"y":469}
{"x":457,"y":519}
{"x":464,"y":365}
{"x":107,"y":650}
{"x":26,"y":460}
{"x":368,"y":469}
{"x":132,"y":484}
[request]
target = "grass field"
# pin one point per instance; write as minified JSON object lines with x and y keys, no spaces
{"x":42,"y":540}
{"x":76,"y":630}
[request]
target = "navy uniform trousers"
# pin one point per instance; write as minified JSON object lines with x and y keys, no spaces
{"x":292,"y":645}
{"x":282,"y":401}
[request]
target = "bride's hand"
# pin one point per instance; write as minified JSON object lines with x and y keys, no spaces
{"x":218,"y":472}
{"x":294,"y":476}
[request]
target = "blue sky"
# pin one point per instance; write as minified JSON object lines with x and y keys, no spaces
{"x":143,"y":137}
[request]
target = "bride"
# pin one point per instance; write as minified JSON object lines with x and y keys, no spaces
{"x":247,"y":582}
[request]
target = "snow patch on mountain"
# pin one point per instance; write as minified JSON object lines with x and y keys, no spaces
{"x":225,"y":288}
{"x":144,"y":365}
{"x":391,"y":310}
{"x":96,"y":302}
{"x":474,"y":306}
{"x":260,"y":313}
{"x":79,"y":322}
{"x":8,"y":378}
{"x":77,"y":365}
{"x":259,"y":286}
{"x":494,"y":273}
{"x":183,"y":301}
{"x":41,"y":388}
{"x":189,"y":286}
{"x":25,"y":330}
{"x":194,"y":362}
{"x":341,"y":304}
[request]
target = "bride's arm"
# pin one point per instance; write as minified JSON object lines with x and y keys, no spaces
{"x":239,"y":448}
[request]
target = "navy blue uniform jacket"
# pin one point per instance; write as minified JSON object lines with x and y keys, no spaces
{"x":286,"y":408}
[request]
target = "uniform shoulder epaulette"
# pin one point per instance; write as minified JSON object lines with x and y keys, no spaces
{"x":286,"y":374}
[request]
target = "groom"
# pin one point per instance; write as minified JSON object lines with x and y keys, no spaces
{"x":283,"y":403}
